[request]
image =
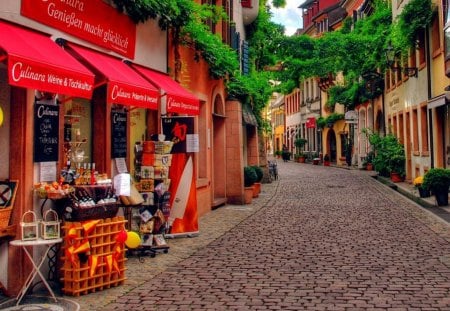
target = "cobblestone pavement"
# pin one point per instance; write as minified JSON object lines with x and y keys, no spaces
{"x":319,"y":238}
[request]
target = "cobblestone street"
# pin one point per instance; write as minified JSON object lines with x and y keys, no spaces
{"x":319,"y":238}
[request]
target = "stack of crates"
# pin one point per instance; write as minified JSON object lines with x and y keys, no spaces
{"x":77,"y":278}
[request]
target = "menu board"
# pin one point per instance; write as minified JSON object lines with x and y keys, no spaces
{"x":46,"y":132}
{"x":118,"y":134}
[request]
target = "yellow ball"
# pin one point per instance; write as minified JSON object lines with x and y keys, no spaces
{"x":1,"y":116}
{"x":133,"y":240}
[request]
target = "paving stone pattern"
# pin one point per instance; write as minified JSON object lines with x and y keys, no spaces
{"x":319,"y":238}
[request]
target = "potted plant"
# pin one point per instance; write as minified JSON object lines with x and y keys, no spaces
{"x":300,"y":157}
{"x":257,"y":184}
{"x":368,"y":161}
{"x":278,"y":153}
{"x":326,"y":160}
{"x":438,"y":181}
{"x":418,"y":183}
{"x":300,"y":144}
{"x":389,"y":157}
{"x":250,"y":178}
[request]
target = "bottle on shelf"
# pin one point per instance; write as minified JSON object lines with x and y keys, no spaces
{"x":93,"y":180}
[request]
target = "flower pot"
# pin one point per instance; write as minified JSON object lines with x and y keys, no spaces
{"x":424,"y":193}
{"x":441,"y":196}
{"x":369,"y":167}
{"x":256,"y":189}
{"x":316,"y":161}
{"x":248,"y":195}
{"x":396,"y":177}
{"x":326,"y":163}
{"x":301,"y":159}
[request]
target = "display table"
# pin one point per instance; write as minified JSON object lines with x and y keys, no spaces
{"x":36,"y":266}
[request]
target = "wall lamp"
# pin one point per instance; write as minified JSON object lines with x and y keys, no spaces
{"x":390,"y":61}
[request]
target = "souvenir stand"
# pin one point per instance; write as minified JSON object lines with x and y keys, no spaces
{"x":148,"y":218}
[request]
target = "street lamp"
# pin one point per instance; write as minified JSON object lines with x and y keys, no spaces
{"x":391,"y":56}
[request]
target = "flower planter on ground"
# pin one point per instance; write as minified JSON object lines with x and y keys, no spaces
{"x":424,"y":193}
{"x":396,"y":177}
{"x":248,"y":195}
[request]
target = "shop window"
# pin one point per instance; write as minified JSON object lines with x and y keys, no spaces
{"x":435,"y":36}
{"x":400,"y":133}
{"x":421,"y":48}
{"x":415,"y":132}
{"x":78,"y":133}
{"x":394,"y":126}
{"x":392,"y":72}
{"x":412,"y":57}
{"x":424,"y":129}
{"x":398,"y":73}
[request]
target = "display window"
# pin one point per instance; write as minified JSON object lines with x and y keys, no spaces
{"x":77,"y":133}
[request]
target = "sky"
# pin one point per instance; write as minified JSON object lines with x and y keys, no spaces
{"x":289,"y":16}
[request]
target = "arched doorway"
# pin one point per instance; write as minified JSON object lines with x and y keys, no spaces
{"x":219,"y":166}
{"x":331,"y":145}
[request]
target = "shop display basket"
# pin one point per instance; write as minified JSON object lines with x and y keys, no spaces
{"x":98,"y":211}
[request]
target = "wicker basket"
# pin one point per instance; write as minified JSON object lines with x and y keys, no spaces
{"x":5,"y":215}
{"x":98,"y":211}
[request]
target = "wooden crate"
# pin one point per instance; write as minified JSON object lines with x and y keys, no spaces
{"x":77,"y":279}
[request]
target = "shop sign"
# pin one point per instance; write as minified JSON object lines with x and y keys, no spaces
{"x":118,"y":134}
{"x":90,"y":20}
{"x":46,"y":132}
{"x":180,"y":130}
{"x":182,"y":105}
{"x":132,"y":95}
{"x":351,"y":116}
{"x":30,"y":74}
{"x":311,"y":123}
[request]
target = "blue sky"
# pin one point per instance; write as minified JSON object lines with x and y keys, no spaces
{"x":289,"y":16}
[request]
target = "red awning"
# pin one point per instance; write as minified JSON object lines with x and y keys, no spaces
{"x":179,"y":100}
{"x":35,"y":61}
{"x":124,"y":85}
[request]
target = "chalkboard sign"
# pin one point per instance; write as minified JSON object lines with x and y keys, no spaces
{"x":46,"y":132}
{"x":118,"y":134}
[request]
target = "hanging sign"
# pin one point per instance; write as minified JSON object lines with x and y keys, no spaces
{"x":178,"y":130}
{"x":89,"y":20}
{"x":311,"y":123}
{"x":351,"y":116}
{"x":46,"y":132}
{"x":118,"y":134}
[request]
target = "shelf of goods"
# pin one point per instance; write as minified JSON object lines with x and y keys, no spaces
{"x":153,"y":161}
{"x":93,"y":256}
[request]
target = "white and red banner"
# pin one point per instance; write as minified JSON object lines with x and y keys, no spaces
{"x":91,"y":20}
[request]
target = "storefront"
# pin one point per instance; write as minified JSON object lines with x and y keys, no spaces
{"x":71,"y":104}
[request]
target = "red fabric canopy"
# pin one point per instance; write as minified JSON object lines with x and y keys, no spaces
{"x":37,"y":62}
{"x":179,"y":100}
{"x":124,"y":85}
